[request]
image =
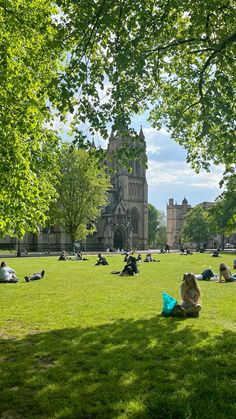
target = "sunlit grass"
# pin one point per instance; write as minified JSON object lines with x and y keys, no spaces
{"x":84,"y":343}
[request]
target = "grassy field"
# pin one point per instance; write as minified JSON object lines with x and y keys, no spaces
{"x":83,"y":343}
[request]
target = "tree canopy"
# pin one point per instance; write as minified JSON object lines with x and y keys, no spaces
{"x":29,"y":56}
{"x":177,"y":58}
{"x":102,"y":61}
{"x":81,"y":192}
{"x":197,"y":227}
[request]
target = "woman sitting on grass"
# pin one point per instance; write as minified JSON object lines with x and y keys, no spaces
{"x":190,"y":295}
{"x":225,"y":274}
{"x":7,"y":275}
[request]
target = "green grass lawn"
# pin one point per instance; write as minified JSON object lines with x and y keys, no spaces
{"x":83,"y":343}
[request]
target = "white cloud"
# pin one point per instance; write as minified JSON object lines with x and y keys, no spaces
{"x":180,"y":174}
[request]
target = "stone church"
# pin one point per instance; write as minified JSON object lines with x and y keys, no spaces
{"x":124,"y":221}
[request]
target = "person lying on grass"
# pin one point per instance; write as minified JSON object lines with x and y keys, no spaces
{"x":35,"y":276}
{"x":7,"y":274}
{"x":206,"y":275}
{"x":190,"y":295}
{"x":225,"y":274}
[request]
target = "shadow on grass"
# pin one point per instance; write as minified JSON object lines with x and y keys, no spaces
{"x":127,"y":369}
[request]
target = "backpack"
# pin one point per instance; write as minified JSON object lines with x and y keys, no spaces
{"x":168,"y":304}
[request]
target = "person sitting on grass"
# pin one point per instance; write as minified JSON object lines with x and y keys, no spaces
{"x":35,"y":276}
{"x":149,"y":258}
{"x":130,"y":268}
{"x":225,"y":274}
{"x":139,"y":258}
{"x":79,"y":256}
{"x":7,"y":274}
{"x":64,"y":256}
{"x":101,"y":260}
{"x":190,"y":295}
{"x":234,"y":264}
{"x":126,"y":258}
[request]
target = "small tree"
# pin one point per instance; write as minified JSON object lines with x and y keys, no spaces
{"x":82,"y":192}
{"x":161,"y":236}
{"x":156,"y":220}
{"x":197,"y":227}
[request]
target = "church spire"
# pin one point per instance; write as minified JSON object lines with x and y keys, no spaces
{"x":141,"y":134}
{"x":112,"y":136}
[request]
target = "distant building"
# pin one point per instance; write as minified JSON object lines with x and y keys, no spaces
{"x":176,"y":214}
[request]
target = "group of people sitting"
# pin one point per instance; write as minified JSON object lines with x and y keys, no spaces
{"x":190,"y":292}
{"x":8,"y":275}
{"x":65,"y":256}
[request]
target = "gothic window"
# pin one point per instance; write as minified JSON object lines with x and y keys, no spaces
{"x":119,"y":216}
{"x":134,"y":220}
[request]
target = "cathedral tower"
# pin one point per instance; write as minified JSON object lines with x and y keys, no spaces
{"x":124,"y":221}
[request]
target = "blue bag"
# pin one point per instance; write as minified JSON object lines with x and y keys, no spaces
{"x":168,"y":304}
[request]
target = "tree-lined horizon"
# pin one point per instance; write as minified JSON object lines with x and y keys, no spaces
{"x":103,"y":61}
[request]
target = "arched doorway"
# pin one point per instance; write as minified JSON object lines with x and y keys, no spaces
{"x":119,"y":239}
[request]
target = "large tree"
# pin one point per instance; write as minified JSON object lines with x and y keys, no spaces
{"x":197,"y":227}
{"x":29,"y":55}
{"x":81,"y":192}
{"x":177,"y":57}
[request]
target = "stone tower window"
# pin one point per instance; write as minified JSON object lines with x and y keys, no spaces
{"x":134,"y":220}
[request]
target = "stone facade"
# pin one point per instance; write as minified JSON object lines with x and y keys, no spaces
{"x":175,"y":220}
{"x":124,"y":221}
{"x":176,"y":214}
